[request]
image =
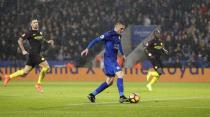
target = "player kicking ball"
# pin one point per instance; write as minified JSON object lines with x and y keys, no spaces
{"x":35,"y":39}
{"x":111,"y":40}
{"x":154,"y":49}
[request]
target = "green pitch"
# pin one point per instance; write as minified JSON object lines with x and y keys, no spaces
{"x":68,"y":99}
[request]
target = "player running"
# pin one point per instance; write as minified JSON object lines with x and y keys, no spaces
{"x":154,"y":49}
{"x":112,"y":42}
{"x":35,"y":39}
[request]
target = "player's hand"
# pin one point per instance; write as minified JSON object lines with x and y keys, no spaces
{"x":51,"y":42}
{"x":165,"y":51}
{"x":124,"y":57}
{"x":85,"y":52}
{"x":24,"y":52}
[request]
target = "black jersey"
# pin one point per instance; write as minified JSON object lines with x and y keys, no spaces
{"x":35,"y":39}
{"x":154,"y":47}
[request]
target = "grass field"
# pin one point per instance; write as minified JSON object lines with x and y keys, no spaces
{"x":68,"y":99}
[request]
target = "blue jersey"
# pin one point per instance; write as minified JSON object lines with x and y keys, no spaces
{"x":112,"y":44}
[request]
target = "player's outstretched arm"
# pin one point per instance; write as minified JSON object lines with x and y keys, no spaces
{"x":121,"y":51}
{"x":93,"y":42}
{"x":20,"y":43}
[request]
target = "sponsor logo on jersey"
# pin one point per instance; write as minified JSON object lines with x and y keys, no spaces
{"x":38,"y":37}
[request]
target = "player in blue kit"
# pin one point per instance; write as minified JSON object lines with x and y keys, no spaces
{"x":111,"y":40}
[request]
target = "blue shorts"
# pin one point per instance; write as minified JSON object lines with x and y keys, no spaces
{"x":111,"y":67}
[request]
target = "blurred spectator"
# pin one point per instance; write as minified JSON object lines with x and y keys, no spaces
{"x":72,"y":23}
{"x":137,"y":65}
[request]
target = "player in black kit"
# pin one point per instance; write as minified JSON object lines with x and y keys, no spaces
{"x":154,"y":49}
{"x":35,"y":39}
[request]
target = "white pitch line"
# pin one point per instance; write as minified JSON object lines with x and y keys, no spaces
{"x":145,"y":100}
{"x":187,"y":107}
{"x":171,"y":99}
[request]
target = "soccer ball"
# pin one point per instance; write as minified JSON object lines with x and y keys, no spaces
{"x":134,"y":98}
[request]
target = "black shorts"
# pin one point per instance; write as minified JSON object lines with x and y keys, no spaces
{"x":34,"y":59}
{"x":157,"y":65}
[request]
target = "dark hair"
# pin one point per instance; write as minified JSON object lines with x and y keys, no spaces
{"x":120,"y":22}
{"x":33,"y":19}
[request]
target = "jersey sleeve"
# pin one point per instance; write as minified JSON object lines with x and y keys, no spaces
{"x":164,"y":50}
{"x":120,"y":48}
{"x":148,"y":45}
{"x":25,"y":36}
{"x":103,"y":37}
{"x":44,"y":40}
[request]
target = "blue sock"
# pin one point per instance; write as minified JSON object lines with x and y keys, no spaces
{"x":103,"y":86}
{"x":120,"y":86}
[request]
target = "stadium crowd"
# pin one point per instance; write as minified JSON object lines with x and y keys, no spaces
{"x":72,"y":24}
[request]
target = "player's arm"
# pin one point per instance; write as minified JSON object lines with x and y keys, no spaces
{"x":121,"y":50}
{"x":164,"y":50}
{"x":20,"y":43}
{"x":51,"y":42}
{"x":93,"y":42}
{"x":146,"y":46}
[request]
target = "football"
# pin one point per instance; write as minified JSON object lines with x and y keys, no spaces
{"x":134,"y":98}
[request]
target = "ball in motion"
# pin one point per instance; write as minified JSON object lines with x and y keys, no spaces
{"x":134,"y":98}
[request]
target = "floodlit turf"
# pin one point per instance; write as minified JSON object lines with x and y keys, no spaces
{"x":68,"y":99}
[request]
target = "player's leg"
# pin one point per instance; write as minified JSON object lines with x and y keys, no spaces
{"x":120,"y":86}
{"x":20,"y":73}
{"x":44,"y":69}
{"x":149,"y":74}
{"x":103,"y":86}
{"x":155,"y":76}
{"x":23,"y":72}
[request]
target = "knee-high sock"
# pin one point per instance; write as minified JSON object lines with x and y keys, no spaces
{"x":151,"y":74}
{"x":42,"y":74}
{"x":148,"y":75}
{"x":155,"y":77}
{"x":153,"y":81}
{"x":17,"y":74}
{"x":103,"y":86}
{"x":120,"y":86}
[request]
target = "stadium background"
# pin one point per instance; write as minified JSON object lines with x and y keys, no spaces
{"x":183,"y":91}
{"x":185,"y":26}
{"x":185,"y":29}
